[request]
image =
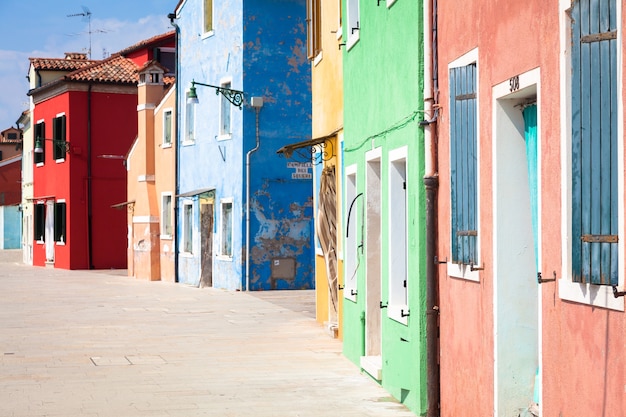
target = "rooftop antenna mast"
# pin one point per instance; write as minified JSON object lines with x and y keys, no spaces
{"x":86,"y":14}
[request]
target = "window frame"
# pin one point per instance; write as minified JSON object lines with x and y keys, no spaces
{"x":189,"y":137}
{"x":59,"y":137}
{"x":39,"y":222}
{"x":60,"y":222}
{"x":350,"y":247}
{"x":210,"y":31}
{"x":225,"y":108}
{"x":167,"y":132}
{"x":187,"y":241}
{"x":353,"y":25}
{"x":226,"y":229}
{"x":586,"y":293}
{"x":398,"y":307}
{"x":39,"y":159}
{"x":167,"y":216}
{"x":454,"y":269}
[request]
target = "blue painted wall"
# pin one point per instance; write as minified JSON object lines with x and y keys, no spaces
{"x":258,"y":45}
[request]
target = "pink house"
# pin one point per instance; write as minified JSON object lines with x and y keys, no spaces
{"x":531,"y":208}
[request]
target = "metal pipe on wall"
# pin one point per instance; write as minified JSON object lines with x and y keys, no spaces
{"x":257,"y":103}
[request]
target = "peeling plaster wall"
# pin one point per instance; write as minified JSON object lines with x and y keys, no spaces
{"x":259,"y":46}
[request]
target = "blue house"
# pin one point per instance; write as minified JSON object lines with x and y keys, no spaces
{"x":244,"y":213}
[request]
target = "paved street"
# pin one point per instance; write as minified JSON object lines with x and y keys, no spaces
{"x":97,"y":343}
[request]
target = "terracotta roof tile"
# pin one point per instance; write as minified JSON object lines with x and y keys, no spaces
{"x":59,"y":64}
{"x":115,"y":69}
{"x":146,"y":42}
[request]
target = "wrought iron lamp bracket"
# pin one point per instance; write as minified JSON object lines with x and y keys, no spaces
{"x":235,"y":97}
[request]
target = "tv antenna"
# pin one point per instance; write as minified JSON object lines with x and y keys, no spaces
{"x":86,"y":15}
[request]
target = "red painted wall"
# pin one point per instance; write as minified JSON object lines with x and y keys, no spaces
{"x":113,"y":127}
{"x":10,"y":181}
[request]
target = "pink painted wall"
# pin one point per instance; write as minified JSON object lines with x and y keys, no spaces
{"x":512,"y":38}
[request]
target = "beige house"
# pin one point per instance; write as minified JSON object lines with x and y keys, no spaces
{"x":151,"y":178}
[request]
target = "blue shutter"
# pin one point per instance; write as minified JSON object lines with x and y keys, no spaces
{"x":594,"y":142}
{"x":463,"y":147}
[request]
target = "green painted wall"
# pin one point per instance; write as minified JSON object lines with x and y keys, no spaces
{"x":382,"y":107}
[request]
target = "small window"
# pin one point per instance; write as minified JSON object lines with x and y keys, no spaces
{"x":59,"y":138}
{"x":208,"y":16}
{"x":190,"y":112}
{"x":166,"y":215}
{"x":40,"y":222}
{"x":225,"y":113}
{"x":226,"y":247}
{"x":167,"y":127}
{"x":59,"y":222}
{"x":40,"y":134}
{"x":188,"y":227}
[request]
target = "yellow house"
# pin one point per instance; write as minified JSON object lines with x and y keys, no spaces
{"x":151,"y":178}
{"x":324,"y":50}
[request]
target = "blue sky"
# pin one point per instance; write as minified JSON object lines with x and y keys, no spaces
{"x":41,"y":28}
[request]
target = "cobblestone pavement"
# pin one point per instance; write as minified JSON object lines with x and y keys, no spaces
{"x":97,"y":343}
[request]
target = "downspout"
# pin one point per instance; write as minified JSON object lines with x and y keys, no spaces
{"x":172,"y":16}
{"x":89,"y":185}
{"x":257,"y":108}
{"x":431,"y":182}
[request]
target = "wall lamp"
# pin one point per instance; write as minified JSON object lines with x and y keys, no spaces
{"x":39,"y":142}
{"x":234,"y":96}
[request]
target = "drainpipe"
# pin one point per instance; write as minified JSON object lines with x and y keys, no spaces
{"x":431,"y":182}
{"x":256,"y":103}
{"x":172,"y":16}
{"x":89,"y":185}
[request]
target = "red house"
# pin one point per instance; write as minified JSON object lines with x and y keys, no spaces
{"x":84,"y":122}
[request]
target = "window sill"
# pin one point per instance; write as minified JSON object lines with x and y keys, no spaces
{"x":208,"y":34}
{"x":165,"y":237}
{"x":462,"y":272}
{"x":224,"y":258}
{"x":40,"y":242}
{"x":394,"y":312}
{"x":186,"y":254}
{"x":39,"y":164}
{"x":188,"y":143}
{"x":224,"y":137}
{"x":59,"y":243}
{"x":594,"y":295}
{"x":60,"y":160}
{"x":352,"y":40}
{"x":166,"y":145}
{"x":318,"y":58}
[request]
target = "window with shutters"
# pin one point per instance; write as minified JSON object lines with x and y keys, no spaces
{"x":59,"y":137}
{"x":314,"y":28}
{"x":595,"y":154}
{"x":59,"y":222}
{"x":463,"y":165}
{"x":40,"y":222}
{"x":208,"y":16}
{"x":398,"y":307}
{"x":40,"y":134}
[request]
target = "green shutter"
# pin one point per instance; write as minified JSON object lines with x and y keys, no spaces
{"x":463,"y":164}
{"x":594,"y":142}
